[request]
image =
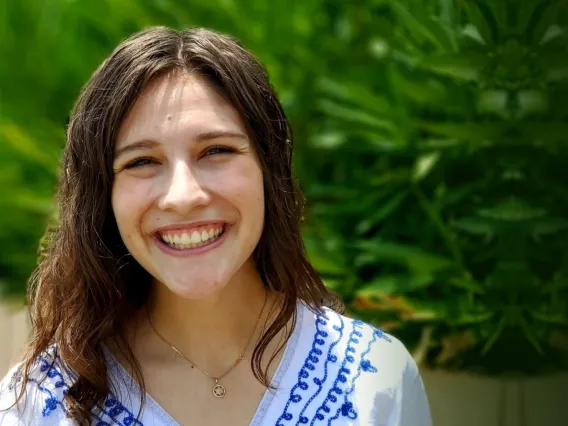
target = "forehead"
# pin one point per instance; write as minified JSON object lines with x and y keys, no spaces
{"x":178,"y":105}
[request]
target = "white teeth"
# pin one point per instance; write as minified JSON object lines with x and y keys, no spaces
{"x":195,"y":237}
{"x":193,"y":240}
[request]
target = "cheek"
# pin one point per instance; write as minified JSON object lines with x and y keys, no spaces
{"x":129,"y":201}
{"x":259,"y":191}
{"x":247,"y":190}
{"x":253,"y":207}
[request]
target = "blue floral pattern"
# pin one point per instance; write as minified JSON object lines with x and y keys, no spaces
{"x":312,"y":358}
{"x":112,"y":412}
{"x":354,"y":363}
{"x":347,"y":409}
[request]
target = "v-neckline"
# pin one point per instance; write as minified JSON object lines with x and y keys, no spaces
{"x":153,"y":407}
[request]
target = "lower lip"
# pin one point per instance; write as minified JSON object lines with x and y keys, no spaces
{"x":192,"y":251}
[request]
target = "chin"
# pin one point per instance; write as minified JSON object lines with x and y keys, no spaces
{"x":195,"y":290}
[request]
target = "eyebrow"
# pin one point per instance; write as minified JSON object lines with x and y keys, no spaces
{"x":202,"y":137}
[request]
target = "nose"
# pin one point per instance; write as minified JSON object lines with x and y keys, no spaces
{"x":183,"y":192}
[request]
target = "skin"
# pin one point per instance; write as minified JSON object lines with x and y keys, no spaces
{"x":183,"y":157}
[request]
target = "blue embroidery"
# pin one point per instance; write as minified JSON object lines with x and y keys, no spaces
{"x":341,"y":376}
{"x":366,"y":366}
{"x":112,"y":408}
{"x":51,"y":403}
{"x":14,"y":380}
{"x":353,"y":364}
{"x":116,"y":408}
{"x":319,"y":382}
{"x":52,"y":372}
{"x":312,"y":358}
{"x":346,"y":409}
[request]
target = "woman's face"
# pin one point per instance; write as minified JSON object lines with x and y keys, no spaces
{"x":188,"y":190}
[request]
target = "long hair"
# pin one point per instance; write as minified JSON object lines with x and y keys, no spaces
{"x":86,"y":287}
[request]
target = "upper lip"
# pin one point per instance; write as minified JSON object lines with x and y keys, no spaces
{"x":189,"y":226}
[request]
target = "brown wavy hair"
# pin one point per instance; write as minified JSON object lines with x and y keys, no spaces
{"x":87,"y":285}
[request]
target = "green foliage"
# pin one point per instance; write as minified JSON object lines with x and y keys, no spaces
{"x":453,"y":231}
{"x":431,"y":143}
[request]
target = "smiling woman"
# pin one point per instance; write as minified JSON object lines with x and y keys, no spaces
{"x":195,"y":173}
{"x":179,"y":257}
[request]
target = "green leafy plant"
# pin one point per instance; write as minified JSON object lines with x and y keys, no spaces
{"x":439,"y":204}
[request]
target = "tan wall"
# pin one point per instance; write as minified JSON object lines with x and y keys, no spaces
{"x":459,"y":399}
{"x":455,"y":399}
{"x":13,"y":336}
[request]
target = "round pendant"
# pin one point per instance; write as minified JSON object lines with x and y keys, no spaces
{"x":219,"y":391}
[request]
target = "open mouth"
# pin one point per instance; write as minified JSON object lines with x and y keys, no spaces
{"x":200,"y":237}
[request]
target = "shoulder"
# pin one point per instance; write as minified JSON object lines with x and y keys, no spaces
{"x":365,"y":348}
{"x":43,"y":397}
{"x":42,"y":393}
{"x":369,"y":371}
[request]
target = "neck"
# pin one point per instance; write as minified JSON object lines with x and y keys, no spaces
{"x":214,"y":331}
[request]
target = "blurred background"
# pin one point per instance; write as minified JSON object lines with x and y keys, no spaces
{"x":431,"y":142}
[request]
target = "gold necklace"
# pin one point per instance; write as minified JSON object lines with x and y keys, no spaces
{"x":219,"y":390}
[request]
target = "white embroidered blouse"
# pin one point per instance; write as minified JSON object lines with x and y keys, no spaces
{"x":334,"y":371}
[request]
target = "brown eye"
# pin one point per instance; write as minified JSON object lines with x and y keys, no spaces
{"x":215,"y":150}
{"x":139,"y":162}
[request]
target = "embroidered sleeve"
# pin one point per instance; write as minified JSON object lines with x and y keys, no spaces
{"x":41,"y":402}
{"x":339,"y":377}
